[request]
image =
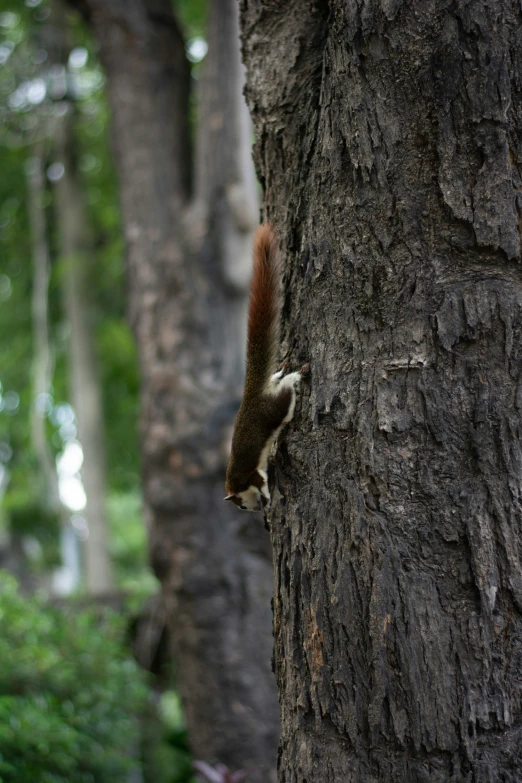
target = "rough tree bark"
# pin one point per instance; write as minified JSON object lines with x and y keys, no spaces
{"x":389,"y":142}
{"x":186,"y":302}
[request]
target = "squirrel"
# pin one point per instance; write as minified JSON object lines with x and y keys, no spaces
{"x":269,"y":397}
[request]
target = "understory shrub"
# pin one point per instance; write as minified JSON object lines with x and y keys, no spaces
{"x":70,"y":695}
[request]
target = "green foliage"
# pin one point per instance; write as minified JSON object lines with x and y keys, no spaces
{"x":69,"y":695}
{"x":15,"y":316}
{"x":36,"y":521}
{"x":192,"y":15}
{"x":119,"y":379}
{"x":129,"y":544}
{"x":166,"y":756}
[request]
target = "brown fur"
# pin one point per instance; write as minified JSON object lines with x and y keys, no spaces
{"x":261,"y":413}
{"x":263,"y":310}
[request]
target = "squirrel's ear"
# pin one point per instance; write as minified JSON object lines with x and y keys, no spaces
{"x":229,"y":497}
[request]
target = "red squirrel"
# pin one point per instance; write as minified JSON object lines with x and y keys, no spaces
{"x":269,"y":397}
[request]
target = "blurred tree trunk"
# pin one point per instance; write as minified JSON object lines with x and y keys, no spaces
{"x":75,"y":239}
{"x":66,"y":578}
{"x":188,"y":262}
{"x":389,"y":140}
{"x":43,"y":358}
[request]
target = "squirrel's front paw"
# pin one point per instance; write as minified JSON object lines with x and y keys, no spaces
{"x":292,"y":379}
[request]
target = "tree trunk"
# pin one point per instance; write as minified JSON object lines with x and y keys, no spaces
{"x":43,"y":357}
{"x":186,"y":303}
{"x":65,"y":579}
{"x":76,"y":249}
{"x":389,"y":141}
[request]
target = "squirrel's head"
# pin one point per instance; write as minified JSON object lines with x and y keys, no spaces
{"x":255,"y":497}
{"x":249,"y":500}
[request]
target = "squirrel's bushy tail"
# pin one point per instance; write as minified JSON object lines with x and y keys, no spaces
{"x":264,"y":310}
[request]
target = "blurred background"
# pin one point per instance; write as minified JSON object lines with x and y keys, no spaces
{"x":87,"y":672}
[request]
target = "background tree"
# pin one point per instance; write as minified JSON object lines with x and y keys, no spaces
{"x":183,"y":226}
{"x":76,"y":253}
{"x":388,"y":141}
{"x":48,"y":493}
{"x":34,"y":80}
